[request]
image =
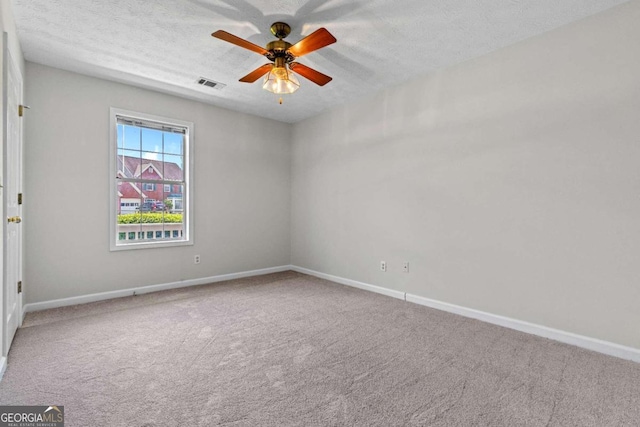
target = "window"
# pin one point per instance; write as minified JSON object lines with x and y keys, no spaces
{"x":150,"y":157}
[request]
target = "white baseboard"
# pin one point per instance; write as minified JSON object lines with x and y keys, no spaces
{"x":349,"y":282}
{"x":594,"y":344}
{"x":83,"y":299}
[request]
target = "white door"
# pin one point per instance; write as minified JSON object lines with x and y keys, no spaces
{"x":11,"y":180}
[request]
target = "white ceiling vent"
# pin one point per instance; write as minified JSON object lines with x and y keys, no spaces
{"x":210,"y":83}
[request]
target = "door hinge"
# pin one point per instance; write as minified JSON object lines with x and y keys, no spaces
{"x":19,"y":198}
{"x":21,"y":109}
{"x":20,"y":287}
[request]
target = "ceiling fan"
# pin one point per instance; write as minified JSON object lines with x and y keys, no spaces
{"x":282,"y":54}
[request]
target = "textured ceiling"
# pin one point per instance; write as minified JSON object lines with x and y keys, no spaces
{"x":166,"y":45}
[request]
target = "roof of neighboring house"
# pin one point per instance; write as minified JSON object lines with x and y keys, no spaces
{"x":129,"y":190}
{"x":134,"y":167}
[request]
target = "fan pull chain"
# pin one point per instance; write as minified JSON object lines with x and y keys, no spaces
{"x":280,"y":101}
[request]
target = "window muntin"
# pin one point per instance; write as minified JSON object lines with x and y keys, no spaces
{"x":151,"y":198}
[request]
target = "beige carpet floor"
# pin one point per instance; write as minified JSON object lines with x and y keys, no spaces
{"x":291,"y":350}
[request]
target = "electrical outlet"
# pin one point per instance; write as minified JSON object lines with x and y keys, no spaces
{"x":383,"y":266}
{"x":196,"y":259}
{"x":405,"y":266}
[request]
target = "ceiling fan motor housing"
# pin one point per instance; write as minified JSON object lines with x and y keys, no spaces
{"x":279,"y":49}
{"x":280,"y":29}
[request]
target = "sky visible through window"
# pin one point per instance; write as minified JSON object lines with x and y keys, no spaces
{"x":150,"y":144}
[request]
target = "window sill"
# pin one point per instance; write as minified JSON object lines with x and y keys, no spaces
{"x":150,"y":245}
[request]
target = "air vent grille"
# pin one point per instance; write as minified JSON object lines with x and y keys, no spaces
{"x":210,"y":83}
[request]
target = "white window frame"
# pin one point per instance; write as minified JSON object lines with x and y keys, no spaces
{"x":187,"y":194}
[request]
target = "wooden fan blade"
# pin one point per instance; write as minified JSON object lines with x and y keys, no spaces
{"x":314,"y":41}
{"x":257,"y":73}
{"x":315,"y":76}
{"x":223,"y":35}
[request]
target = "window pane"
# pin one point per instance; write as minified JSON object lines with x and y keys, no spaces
{"x":174,"y":198}
{"x":173,"y":143}
{"x":149,"y":218}
{"x":173,"y":167}
{"x":128,"y":198}
{"x":149,"y":225}
{"x":174,"y":225}
{"x":128,"y":163}
{"x":151,"y":169}
{"x":166,"y":203}
{"x":130,"y":137}
{"x":129,"y":222}
{"x":120,"y":136}
{"x":151,"y":141}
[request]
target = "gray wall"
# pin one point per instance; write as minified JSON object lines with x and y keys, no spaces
{"x":511,"y":182}
{"x":242,"y":190}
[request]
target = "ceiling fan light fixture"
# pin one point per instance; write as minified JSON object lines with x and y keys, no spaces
{"x":281,"y":80}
